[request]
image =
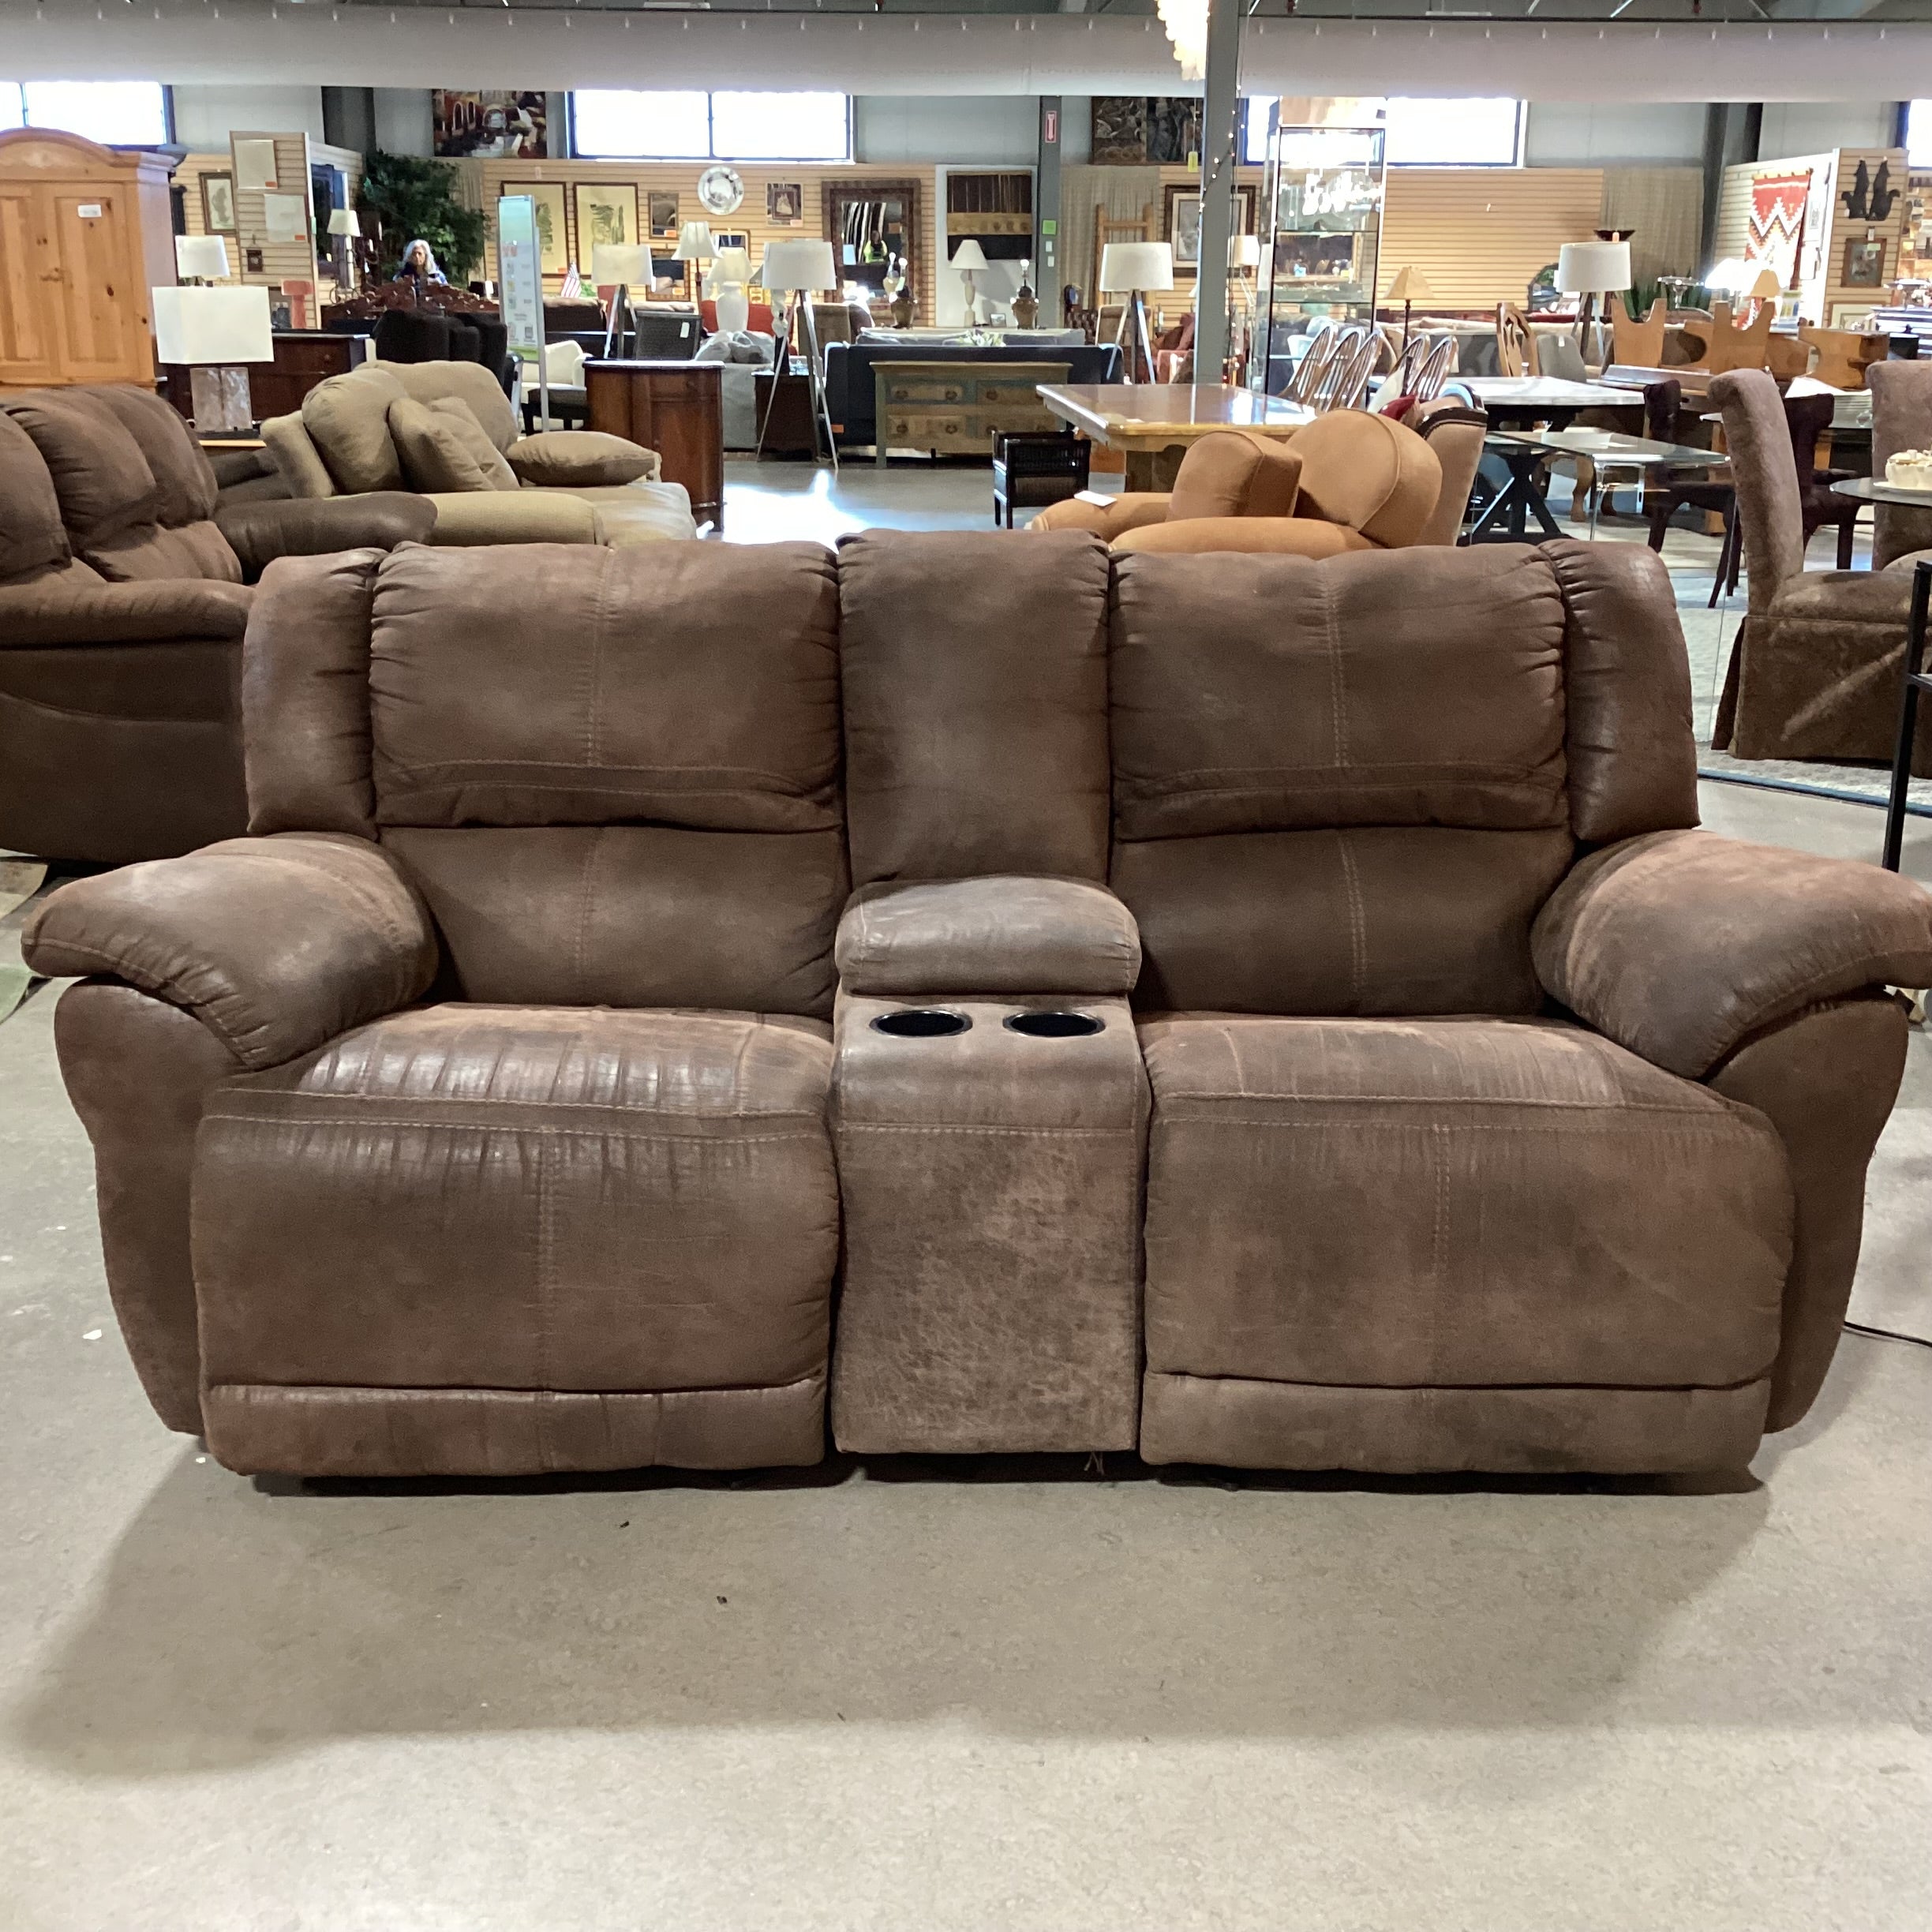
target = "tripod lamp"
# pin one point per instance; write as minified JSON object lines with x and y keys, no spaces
{"x":800,"y":270}
{"x":213,"y":331}
{"x":1132,"y":268}
{"x":621,"y":266}
{"x":1589,"y":269}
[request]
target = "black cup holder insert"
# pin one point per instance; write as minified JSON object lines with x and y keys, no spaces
{"x":1054,"y":1025}
{"x":921,"y":1022}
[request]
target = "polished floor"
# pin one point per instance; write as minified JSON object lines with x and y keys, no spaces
{"x":1025,"y":1695}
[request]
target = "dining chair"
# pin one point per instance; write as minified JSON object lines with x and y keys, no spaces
{"x":1516,"y":347}
{"x":1308,"y":369}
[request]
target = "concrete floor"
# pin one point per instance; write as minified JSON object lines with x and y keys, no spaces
{"x":1006,"y":1695}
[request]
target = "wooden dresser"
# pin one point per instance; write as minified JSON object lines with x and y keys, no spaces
{"x":85,"y":233}
{"x":952,"y":408}
{"x":303,"y":358}
{"x":676,"y":409}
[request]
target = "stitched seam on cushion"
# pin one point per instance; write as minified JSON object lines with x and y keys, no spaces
{"x":112,"y":717}
{"x":546,"y":1195}
{"x":1451,"y":1388}
{"x":1439,"y":1149}
{"x":460,"y":1126}
{"x":1607,"y":1122}
{"x":385,"y":1389}
{"x":583,"y":908}
{"x":846,"y":1127}
{"x":1358,"y":941}
{"x":531,"y":784}
{"x":576,"y":1106}
{"x":1337,"y":684}
{"x":599,"y":627}
{"x":1443,"y":1099}
{"x":1285,"y":775}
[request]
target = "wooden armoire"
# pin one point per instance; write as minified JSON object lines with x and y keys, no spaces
{"x":85,"y":233}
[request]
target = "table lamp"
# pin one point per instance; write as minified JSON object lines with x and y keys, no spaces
{"x":1132,"y":268}
{"x":728,"y":282}
{"x":969,"y":258}
{"x":200,"y":258}
{"x":800,"y":270}
{"x":1589,"y":269}
{"x":1765,"y":286}
{"x":211,"y":332}
{"x":346,"y":226}
{"x":621,"y":267}
{"x":1409,"y":287}
{"x":693,"y":244}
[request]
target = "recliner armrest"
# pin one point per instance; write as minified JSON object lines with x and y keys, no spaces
{"x":57,"y":612}
{"x":1004,"y":934}
{"x":258,"y":532}
{"x":276,"y":945}
{"x":1679,"y":944}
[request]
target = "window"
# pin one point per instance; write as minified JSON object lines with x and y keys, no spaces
{"x":1919,"y":133}
{"x":125,"y":114}
{"x":622,"y":124}
{"x":1429,"y":133}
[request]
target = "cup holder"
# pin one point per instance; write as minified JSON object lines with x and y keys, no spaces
{"x":1054,"y":1025}
{"x":921,"y":1022}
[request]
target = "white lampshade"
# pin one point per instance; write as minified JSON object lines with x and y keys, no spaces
{"x":213,"y":325}
{"x":969,"y":254}
{"x":1593,"y":267}
{"x":803,"y":265}
{"x":205,"y":256}
{"x":730,"y":267}
{"x":1244,"y":251}
{"x":628,"y":263}
{"x":693,"y":243}
{"x":1126,"y":266}
{"x":344,"y":221}
{"x":1410,"y":285}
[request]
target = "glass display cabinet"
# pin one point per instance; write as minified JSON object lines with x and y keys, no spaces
{"x":1321,"y":240}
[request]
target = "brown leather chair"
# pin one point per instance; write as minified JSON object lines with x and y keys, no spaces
{"x":122,"y":606}
{"x":1335,"y":934}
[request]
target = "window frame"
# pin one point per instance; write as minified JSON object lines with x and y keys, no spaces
{"x":19,"y":90}
{"x":1254,"y":132}
{"x":712,"y":154}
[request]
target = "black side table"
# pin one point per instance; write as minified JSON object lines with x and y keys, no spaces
{"x":1033,"y":468}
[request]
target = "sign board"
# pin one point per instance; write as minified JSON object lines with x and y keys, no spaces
{"x":519,"y":272}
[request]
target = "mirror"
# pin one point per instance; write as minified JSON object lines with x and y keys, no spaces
{"x":873,"y":226}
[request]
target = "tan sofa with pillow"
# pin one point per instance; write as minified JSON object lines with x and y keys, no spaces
{"x":446,"y":431}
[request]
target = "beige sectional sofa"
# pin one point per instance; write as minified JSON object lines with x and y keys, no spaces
{"x":446,"y":431}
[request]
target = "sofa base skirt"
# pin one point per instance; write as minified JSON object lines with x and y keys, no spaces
{"x":1401,"y":1431}
{"x":258,"y":1429}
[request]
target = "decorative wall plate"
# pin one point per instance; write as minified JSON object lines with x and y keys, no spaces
{"x":720,"y":190}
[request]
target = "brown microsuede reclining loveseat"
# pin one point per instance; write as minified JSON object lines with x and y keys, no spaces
{"x":1286,"y":1016}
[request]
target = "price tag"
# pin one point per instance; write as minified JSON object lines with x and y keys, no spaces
{"x":90,"y":210}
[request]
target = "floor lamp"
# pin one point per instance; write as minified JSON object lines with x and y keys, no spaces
{"x":1409,"y":287}
{"x":800,"y":270}
{"x":1244,"y":253}
{"x":345,"y":227}
{"x":620,"y":266}
{"x":1131,"y":269}
{"x":1586,"y":270}
{"x":213,"y":332}
{"x":694,"y":245}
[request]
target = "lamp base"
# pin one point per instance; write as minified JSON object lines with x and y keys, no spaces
{"x":733,"y":308}
{"x":219,"y":395}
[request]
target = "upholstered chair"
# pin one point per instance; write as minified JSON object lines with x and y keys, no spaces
{"x":1901,"y":394}
{"x":468,"y":1115}
{"x":1815,"y":671}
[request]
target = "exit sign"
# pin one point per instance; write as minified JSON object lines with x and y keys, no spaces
{"x":1049,"y":126}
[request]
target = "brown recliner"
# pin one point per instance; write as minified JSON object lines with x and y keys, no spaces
{"x":468,"y":1115}
{"x":122,"y":606}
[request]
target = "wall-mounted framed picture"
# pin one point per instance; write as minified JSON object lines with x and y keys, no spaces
{"x":606,"y":212}
{"x":1864,"y":263}
{"x":1183,"y":217}
{"x":784,"y":201}
{"x":553,"y":222}
{"x":218,"y":208}
{"x":489,"y":124}
{"x":664,"y":211}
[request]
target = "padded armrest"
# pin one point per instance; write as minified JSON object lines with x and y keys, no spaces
{"x":1130,"y":510}
{"x":276,"y":945}
{"x":258,"y":532}
{"x":122,"y":613}
{"x":987,"y":935}
{"x":1677,"y":944}
{"x":512,"y":516}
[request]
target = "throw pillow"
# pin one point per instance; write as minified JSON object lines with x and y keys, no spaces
{"x":296,"y":457}
{"x":444,"y":448}
{"x":580,"y":459}
{"x":347,"y":420}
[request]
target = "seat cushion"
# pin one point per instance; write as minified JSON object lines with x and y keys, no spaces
{"x":1232,"y":473}
{"x":347,"y":418}
{"x":562,"y":458}
{"x":442,"y":447}
{"x":629,"y":515}
{"x":1459,"y":1202}
{"x":543,"y":1203}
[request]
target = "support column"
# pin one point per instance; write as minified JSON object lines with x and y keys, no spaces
{"x":1220,"y":111}
{"x":1048,"y":278}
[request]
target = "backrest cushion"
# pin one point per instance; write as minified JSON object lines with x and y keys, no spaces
{"x":347,"y":418}
{"x":1231,"y":472}
{"x":1367,"y":474}
{"x":442,"y":447}
{"x":1349,"y":786}
{"x":1901,"y":394}
{"x":1456,"y":433}
{"x":296,"y":460}
{"x":181,"y":467}
{"x":149,"y":551}
{"x":465,"y":382}
{"x":32,"y":537}
{"x":102,"y":480}
{"x":975,"y":692}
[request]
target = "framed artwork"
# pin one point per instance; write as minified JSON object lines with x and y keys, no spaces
{"x":732,"y":237}
{"x":1864,"y":264}
{"x":489,"y":125}
{"x":663,"y":212}
{"x":1183,"y":218}
{"x":218,"y":208}
{"x":606,"y":212}
{"x":553,"y":222}
{"x":1776,"y":226}
{"x":254,"y":158}
{"x":784,"y":201}
{"x":1135,"y":130}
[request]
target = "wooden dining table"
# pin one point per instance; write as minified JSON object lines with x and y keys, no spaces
{"x":1153,"y":423}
